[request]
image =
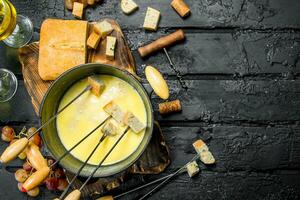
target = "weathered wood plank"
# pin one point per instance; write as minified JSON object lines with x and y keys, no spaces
{"x":242,"y":53}
{"x":238,"y":148}
{"x":206,"y":100}
{"x":205,"y":13}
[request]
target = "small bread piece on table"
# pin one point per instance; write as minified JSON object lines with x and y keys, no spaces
{"x":115,"y":111}
{"x":78,"y":10}
{"x":109,"y":129}
{"x":151,"y":19}
{"x":97,"y":85}
{"x":93,"y":40}
{"x":133,"y":122}
{"x":128,"y":6}
{"x":180,"y":7}
{"x":90,"y":2}
{"x":192,"y":168}
{"x":110,"y":47}
{"x":205,"y":155}
{"x":103,"y":28}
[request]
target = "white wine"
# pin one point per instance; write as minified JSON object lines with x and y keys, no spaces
{"x":8,"y":19}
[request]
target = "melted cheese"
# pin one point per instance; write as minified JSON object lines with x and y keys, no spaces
{"x":86,"y":113}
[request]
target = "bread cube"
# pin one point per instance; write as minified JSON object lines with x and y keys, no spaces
{"x":103,"y":28}
{"x":110,"y":47}
{"x":93,"y":40}
{"x":133,"y":122}
{"x":109,"y":129}
{"x":97,"y":85}
{"x":128,"y":6}
{"x":181,"y":8}
{"x":115,"y":111}
{"x":78,"y":10}
{"x":202,"y":150}
{"x":106,"y":198}
{"x":192,"y":168}
{"x":151,"y":19}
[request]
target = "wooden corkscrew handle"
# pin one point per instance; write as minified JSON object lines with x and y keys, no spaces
{"x":74,"y":195}
{"x":36,"y":179}
{"x":13,"y":150}
{"x":161,"y":43}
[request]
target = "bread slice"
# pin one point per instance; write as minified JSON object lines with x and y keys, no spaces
{"x":192,"y":168}
{"x":62,"y":46}
{"x":115,"y":111}
{"x":133,"y":122}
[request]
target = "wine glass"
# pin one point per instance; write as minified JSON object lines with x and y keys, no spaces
{"x":15,"y":30}
{"x":8,"y":85}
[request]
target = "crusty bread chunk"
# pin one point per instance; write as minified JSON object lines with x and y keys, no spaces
{"x":151,"y":19}
{"x":93,"y":40}
{"x":128,"y":6}
{"x":62,"y":46}
{"x":110,"y":47}
{"x":97,"y":85}
{"x":115,"y":111}
{"x":109,"y":129}
{"x":78,"y":10}
{"x":103,"y":28}
{"x":192,"y":168}
{"x":205,"y":155}
{"x":133,"y":122}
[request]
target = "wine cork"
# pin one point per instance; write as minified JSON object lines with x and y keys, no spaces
{"x":180,"y":7}
{"x":169,"y":107}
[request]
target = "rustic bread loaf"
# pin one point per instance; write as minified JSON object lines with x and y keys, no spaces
{"x":62,"y":46}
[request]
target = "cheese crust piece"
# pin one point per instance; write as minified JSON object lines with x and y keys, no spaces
{"x":151,"y":19}
{"x":103,"y":28}
{"x":97,"y":85}
{"x":93,"y":40}
{"x":128,"y":6}
{"x":192,"y":168}
{"x":78,"y":10}
{"x":110,"y":47}
{"x":133,"y":122}
{"x":205,"y":155}
{"x":115,"y":111}
{"x":62,"y":46}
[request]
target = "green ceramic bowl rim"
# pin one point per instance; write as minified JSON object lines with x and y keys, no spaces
{"x":148,"y":102}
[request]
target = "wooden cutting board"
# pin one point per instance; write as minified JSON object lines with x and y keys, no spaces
{"x":36,"y":87}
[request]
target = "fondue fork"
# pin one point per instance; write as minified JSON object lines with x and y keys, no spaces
{"x":36,"y":178}
{"x":107,"y":130}
{"x":13,"y":150}
{"x":167,"y":179}
{"x":132,"y":123}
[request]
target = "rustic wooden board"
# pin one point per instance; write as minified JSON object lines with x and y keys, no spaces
{"x":36,"y":87}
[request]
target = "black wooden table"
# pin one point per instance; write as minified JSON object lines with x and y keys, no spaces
{"x":241,"y":64}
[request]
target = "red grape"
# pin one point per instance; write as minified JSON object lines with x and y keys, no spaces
{"x":34,"y":192}
{"x":52,"y":183}
{"x":21,"y":175}
{"x":8,"y":134}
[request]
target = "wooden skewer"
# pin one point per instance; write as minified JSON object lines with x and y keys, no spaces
{"x":13,"y":150}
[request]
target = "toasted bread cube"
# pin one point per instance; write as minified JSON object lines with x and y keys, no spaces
{"x":133,"y":122}
{"x":202,"y":150}
{"x":115,"y":111}
{"x":192,"y":168}
{"x":103,"y":28}
{"x":181,"y":8}
{"x":78,"y":10}
{"x":200,"y":146}
{"x":151,"y":19}
{"x":106,"y":198}
{"x":110,"y":47}
{"x":93,"y":40}
{"x":97,"y":85}
{"x":128,"y":6}
{"x":109,"y":129}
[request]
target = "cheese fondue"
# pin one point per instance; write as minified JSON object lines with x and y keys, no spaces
{"x":86,"y":113}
